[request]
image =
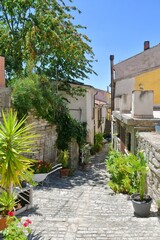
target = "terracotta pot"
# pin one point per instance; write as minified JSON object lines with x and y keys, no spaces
{"x":3,"y":224}
{"x":84,"y":166}
{"x":64,"y":172}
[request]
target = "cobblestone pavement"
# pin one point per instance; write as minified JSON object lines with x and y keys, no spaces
{"x":83,"y":207}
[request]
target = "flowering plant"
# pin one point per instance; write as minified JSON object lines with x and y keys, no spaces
{"x":41,"y":167}
{"x":16,"y":229}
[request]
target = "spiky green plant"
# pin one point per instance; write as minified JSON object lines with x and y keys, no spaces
{"x":16,"y":140}
{"x":7,"y":202}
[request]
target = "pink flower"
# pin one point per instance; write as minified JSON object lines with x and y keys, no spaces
{"x":11,"y":214}
{"x":25,"y":224}
{"x":28,"y":221}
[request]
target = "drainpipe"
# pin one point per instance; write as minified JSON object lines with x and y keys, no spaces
{"x":112,"y":97}
{"x":112,"y":82}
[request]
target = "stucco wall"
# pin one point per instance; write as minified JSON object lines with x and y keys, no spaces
{"x":149,"y":142}
{"x":77,"y":107}
{"x":149,"y":81}
{"x":82,"y":109}
{"x":125,"y":86}
{"x":90,"y":115}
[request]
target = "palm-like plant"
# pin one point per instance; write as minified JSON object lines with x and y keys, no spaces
{"x":16,"y":140}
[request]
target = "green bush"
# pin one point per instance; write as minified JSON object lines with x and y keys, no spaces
{"x":98,"y":142}
{"x":63,"y":157}
{"x":124,"y":171}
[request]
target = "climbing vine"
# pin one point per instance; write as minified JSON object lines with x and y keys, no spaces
{"x":36,"y":93}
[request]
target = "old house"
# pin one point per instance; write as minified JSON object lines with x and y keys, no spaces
{"x":102,"y":111}
{"x":90,"y":108}
{"x":135,"y":97}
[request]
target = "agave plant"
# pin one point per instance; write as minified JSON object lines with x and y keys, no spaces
{"x":16,"y":140}
{"x":7,"y":202}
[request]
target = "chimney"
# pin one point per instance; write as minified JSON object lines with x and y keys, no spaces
{"x":146,"y":45}
{"x":2,"y":72}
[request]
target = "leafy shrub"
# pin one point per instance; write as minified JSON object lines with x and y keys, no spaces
{"x":63,"y":157}
{"x":92,"y":150}
{"x":98,"y":142}
{"x":16,"y":228}
{"x":41,"y":167}
{"x":124,"y":171}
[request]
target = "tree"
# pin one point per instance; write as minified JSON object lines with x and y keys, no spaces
{"x":43,"y":32}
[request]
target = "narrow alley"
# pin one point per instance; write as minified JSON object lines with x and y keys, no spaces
{"x":83,"y":207}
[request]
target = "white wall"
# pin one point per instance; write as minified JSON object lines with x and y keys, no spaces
{"x":82,"y":109}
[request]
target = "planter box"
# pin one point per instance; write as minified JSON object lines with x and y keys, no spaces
{"x":64,"y":172}
{"x":3,"y":223}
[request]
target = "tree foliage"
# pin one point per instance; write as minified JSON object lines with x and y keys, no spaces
{"x":44,"y":33}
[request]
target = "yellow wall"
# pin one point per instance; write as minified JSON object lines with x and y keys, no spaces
{"x":108,"y":95}
{"x":149,"y":81}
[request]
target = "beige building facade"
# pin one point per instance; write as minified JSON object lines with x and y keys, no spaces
{"x":136,"y":98}
{"x":90,"y":108}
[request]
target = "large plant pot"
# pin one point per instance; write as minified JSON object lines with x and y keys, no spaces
{"x":3,"y":224}
{"x":64,"y":172}
{"x":85,"y":166}
{"x":141,"y":208}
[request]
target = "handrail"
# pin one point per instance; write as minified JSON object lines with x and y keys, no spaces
{"x":55,"y":168}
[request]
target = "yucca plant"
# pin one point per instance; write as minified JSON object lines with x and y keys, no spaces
{"x":16,"y":140}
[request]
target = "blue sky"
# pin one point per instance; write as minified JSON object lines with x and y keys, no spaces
{"x":117,"y":27}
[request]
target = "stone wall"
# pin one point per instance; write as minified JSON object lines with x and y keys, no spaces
{"x":45,"y":145}
{"x":149,"y":142}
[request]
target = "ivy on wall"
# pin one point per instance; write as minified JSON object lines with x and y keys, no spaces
{"x":36,"y":93}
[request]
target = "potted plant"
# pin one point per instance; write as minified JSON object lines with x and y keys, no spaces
{"x":16,"y":228}
{"x":141,"y":201}
{"x":98,"y":142}
{"x":41,"y":170}
{"x":63,"y":157}
{"x":7,"y":203}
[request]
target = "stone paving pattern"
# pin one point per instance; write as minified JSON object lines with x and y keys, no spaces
{"x":83,"y":207}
